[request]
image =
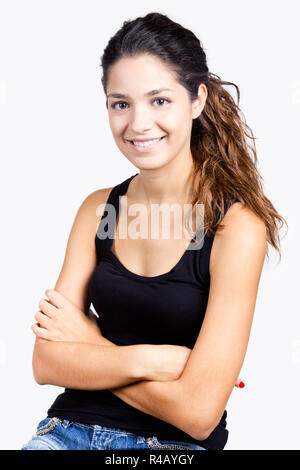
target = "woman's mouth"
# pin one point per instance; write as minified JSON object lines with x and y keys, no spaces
{"x":146,"y":146}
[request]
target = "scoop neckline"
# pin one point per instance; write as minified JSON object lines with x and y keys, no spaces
{"x":129,"y":273}
{"x":123,"y":268}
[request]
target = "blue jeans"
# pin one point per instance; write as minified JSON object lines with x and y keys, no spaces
{"x":62,"y":434}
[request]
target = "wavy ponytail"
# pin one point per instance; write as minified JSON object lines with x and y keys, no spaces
{"x":225,"y":163}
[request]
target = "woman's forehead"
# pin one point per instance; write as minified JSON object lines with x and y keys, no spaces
{"x":140,"y":71}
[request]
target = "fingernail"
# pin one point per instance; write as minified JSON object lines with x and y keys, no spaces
{"x":241,"y":385}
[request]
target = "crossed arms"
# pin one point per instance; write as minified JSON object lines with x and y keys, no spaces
{"x":195,"y":401}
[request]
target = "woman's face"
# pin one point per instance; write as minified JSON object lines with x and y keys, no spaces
{"x":138,"y":111}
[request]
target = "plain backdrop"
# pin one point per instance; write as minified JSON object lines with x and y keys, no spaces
{"x":56,"y":148}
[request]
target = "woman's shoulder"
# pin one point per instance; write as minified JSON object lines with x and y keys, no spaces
{"x":93,"y":205}
{"x":98,"y":196}
{"x":240,"y":215}
{"x":242,"y":230}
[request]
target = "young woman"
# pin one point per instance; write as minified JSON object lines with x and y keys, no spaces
{"x":155,"y":370}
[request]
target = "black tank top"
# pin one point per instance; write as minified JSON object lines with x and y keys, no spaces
{"x":134,"y":309}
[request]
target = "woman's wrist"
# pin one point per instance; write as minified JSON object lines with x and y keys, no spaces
{"x":145,"y":358}
{"x":147,"y":362}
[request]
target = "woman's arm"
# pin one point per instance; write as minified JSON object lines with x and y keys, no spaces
{"x":86,"y":366}
{"x":71,"y":354}
{"x":236,"y":263}
{"x":79,"y":365}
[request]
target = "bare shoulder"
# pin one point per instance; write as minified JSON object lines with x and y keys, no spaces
{"x":243,"y":221}
{"x":93,"y":205}
{"x":91,"y":210}
{"x":244,"y":231}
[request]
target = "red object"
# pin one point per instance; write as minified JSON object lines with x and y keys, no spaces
{"x":241,"y":385}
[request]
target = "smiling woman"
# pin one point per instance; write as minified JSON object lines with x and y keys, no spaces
{"x":157,"y":367}
{"x":146,"y":145}
{"x":143,"y":117}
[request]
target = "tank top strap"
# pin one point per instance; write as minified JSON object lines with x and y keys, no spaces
{"x":103,"y":236}
{"x":227,"y":204}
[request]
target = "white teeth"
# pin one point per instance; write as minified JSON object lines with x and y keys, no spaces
{"x":146,"y":144}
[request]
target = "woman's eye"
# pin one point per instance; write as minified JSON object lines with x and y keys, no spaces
{"x":115,"y":104}
{"x":164,"y":100}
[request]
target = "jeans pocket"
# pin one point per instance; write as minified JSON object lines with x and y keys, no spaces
{"x":47,"y":425}
{"x":154,"y":443}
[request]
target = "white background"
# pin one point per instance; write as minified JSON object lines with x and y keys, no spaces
{"x":56,"y":148}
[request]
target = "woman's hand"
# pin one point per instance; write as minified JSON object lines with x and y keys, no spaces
{"x":60,"y":320}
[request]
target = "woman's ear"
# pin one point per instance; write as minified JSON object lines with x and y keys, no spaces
{"x":199,"y":102}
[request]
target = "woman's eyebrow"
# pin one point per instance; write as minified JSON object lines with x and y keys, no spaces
{"x":149,"y":93}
